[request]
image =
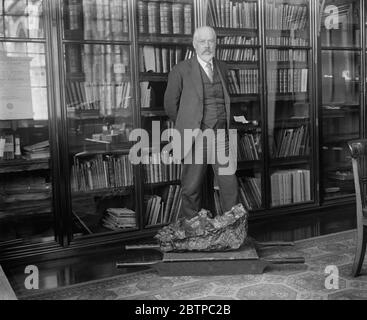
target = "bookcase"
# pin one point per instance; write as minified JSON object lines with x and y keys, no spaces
{"x":341,"y":103}
{"x":98,"y":103}
{"x":91,"y":72}
{"x":25,"y":175}
{"x":288,"y":54}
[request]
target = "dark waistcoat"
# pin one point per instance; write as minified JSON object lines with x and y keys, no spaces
{"x":214,"y":104}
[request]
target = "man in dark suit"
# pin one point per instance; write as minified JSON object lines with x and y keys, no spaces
{"x":197,"y":98}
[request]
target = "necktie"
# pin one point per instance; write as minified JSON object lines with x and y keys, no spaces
{"x":209,"y":71}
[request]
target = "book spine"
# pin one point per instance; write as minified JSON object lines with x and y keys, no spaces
{"x":178,"y":18}
{"x":75,"y":14}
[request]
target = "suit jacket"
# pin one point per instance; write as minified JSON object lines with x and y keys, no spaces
{"x":184,"y":97}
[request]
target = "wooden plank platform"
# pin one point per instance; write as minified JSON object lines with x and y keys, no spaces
{"x":242,"y":261}
{"x":6,"y":291}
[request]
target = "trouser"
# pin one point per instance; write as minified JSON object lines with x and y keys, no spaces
{"x":193,"y":177}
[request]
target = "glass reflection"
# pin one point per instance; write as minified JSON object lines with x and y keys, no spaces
{"x":22,"y":19}
{"x":30,"y":86}
{"x":340,"y":24}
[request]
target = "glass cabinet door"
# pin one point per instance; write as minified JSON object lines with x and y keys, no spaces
{"x":237,"y":27}
{"x":98,"y":102}
{"x":340,"y":108}
{"x":25,"y":177}
{"x":288,"y":66}
{"x":165,"y":30}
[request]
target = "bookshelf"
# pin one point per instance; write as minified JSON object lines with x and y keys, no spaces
{"x":25,"y":174}
{"x":99,"y":70}
{"x":98,"y":104}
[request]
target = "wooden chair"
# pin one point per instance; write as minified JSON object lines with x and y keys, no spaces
{"x":358,"y":150}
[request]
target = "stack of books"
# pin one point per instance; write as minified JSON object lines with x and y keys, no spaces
{"x":39,"y":150}
{"x":119,"y":218}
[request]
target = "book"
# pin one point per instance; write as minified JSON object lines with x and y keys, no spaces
{"x":178,"y":18}
{"x":74,"y":14}
{"x":166,"y":17}
{"x":142,"y":16}
{"x":153,"y":17}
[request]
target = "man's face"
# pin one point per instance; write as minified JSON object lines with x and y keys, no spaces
{"x":205,"y":45}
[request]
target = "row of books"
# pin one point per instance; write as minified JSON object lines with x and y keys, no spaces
{"x":287,"y":55}
{"x":290,"y":187}
{"x":101,"y":173}
{"x":109,"y":63}
{"x":285,"y":16}
{"x":249,"y":147}
{"x":105,"y":97}
{"x":163,"y":209}
{"x":292,"y":142}
{"x":286,"y":41}
{"x":238,"y":40}
{"x":250,"y":192}
{"x":232,"y":14}
{"x":99,"y":19}
{"x":160,"y":59}
{"x":243,"y":81}
{"x":119,"y":218}
{"x":165,"y":18}
{"x":238,"y":54}
{"x":288,"y":80}
{"x":157,"y":171}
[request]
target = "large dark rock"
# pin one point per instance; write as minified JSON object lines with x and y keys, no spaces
{"x":201,"y":233}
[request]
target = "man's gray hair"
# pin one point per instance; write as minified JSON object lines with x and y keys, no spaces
{"x":200,"y":29}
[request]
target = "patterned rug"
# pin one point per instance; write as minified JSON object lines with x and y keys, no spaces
{"x":279,"y":282}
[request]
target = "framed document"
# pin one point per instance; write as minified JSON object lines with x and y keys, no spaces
{"x":15,"y":88}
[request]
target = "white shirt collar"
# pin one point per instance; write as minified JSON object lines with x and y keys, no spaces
{"x":203,"y":63}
